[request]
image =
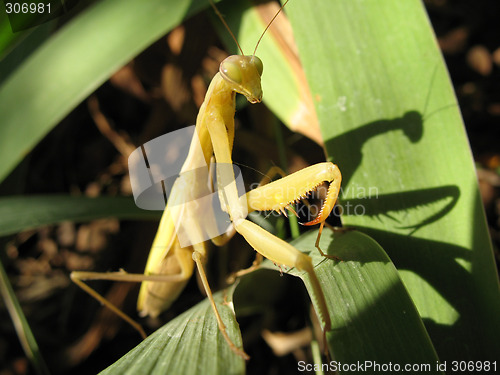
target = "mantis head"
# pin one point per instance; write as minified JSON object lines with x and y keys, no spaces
{"x":243,"y":74}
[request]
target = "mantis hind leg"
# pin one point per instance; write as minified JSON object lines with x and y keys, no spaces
{"x":281,"y":252}
{"x":78,"y":276}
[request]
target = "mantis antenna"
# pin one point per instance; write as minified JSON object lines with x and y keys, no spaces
{"x":232,"y":35}
{"x":268,"y":25}
{"x":226,"y":25}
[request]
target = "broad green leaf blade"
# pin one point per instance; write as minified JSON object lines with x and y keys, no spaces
{"x":188,"y":344}
{"x":74,"y":62}
{"x":21,"y":213}
{"x":373,"y":317}
{"x":16,"y":47}
{"x":391,"y":122}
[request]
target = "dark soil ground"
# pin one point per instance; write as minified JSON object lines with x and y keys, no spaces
{"x":92,"y":144}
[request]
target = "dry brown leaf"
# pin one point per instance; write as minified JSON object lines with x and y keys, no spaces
{"x":304,"y":120}
{"x":479,"y":59}
{"x":284,"y":343}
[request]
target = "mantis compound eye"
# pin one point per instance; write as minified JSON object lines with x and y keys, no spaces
{"x":231,"y":70}
{"x":258,"y":64}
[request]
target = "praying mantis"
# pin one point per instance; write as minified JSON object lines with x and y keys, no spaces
{"x":171,"y":264}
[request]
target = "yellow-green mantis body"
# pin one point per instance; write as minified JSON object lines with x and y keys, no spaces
{"x":169,"y":265}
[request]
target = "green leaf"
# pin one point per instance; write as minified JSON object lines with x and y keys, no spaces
{"x":21,"y":213}
{"x":373,"y":317}
{"x":74,"y":62}
{"x":391,"y":122}
{"x":23,"y":330}
{"x":189,"y":344}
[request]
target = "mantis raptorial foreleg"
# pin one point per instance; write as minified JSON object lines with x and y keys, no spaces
{"x":274,"y":196}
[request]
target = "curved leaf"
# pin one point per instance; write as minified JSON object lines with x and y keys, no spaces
{"x":74,"y":62}
{"x":391,"y":122}
{"x":373,"y":317}
{"x":189,"y":344}
{"x":22,"y":213}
